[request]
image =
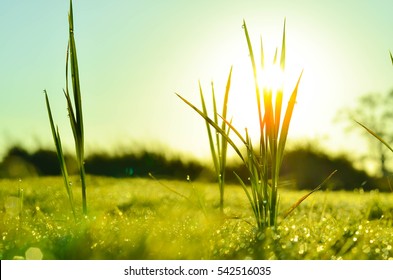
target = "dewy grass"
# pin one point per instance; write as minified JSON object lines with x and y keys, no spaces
{"x":264,"y":164}
{"x":75,"y":115}
{"x":218,"y":145}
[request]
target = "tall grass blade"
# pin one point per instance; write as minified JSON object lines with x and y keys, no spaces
{"x":297,"y":203}
{"x":262,"y":55}
{"x":254,"y":68}
{"x":76,"y":116}
{"x":287,"y":120}
{"x":209,"y":133}
{"x":60,"y":155}
{"x":376,"y":136}
{"x":219,"y":143}
{"x":283,"y":51}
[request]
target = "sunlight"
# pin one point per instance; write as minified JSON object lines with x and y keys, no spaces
{"x":243,"y":103}
{"x":271,"y":78}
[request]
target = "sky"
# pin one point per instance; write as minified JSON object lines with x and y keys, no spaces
{"x":134,"y":55}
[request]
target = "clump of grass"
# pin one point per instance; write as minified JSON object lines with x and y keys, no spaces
{"x":75,"y":116}
{"x":218,"y":144}
{"x":264,"y":163}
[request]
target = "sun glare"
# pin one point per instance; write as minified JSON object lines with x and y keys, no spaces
{"x":271,"y":78}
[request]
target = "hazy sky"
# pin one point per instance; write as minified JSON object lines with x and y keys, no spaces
{"x":133,"y":56}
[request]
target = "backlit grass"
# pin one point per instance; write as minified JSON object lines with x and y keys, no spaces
{"x":263,"y":162}
{"x":139,"y":219}
{"x":75,"y":116}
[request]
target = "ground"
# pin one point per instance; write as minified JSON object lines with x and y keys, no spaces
{"x":150,"y":219}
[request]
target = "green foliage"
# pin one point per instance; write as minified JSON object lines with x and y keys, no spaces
{"x":75,"y":115}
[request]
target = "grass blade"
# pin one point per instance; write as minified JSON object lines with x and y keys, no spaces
{"x":297,"y":203}
{"x":254,"y":68}
{"x":209,"y":133}
{"x":75,"y":78}
{"x":376,"y":136}
{"x":212,"y":123}
{"x":286,"y":121}
{"x":262,"y":55}
{"x":76,"y":117}
{"x":60,"y":155}
{"x":391,"y":57}
{"x":283,"y":51}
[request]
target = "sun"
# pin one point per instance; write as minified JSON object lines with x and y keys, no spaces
{"x":243,"y":102}
{"x":271,"y":78}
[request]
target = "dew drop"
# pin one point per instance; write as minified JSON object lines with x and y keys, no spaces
{"x":33,"y":253}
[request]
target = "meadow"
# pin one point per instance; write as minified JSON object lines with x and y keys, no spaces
{"x":149,"y":218}
{"x":161,"y":219}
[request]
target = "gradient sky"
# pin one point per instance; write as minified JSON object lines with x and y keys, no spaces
{"x":133,"y":56}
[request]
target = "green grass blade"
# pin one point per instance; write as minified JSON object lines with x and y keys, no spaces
{"x":250,"y":199}
{"x":275,"y":57}
{"x":77,"y":119}
{"x":254,"y":68}
{"x":215,"y":120}
{"x":226,"y":96}
{"x":209,"y":133}
{"x":297,"y":203}
{"x":280,"y":91}
{"x":75,"y":81}
{"x":60,"y":155}
{"x":282,"y":59}
{"x":391,"y":57}
{"x":251,"y":52}
{"x":212,"y":123}
{"x":223,"y":125}
{"x":286,"y":121}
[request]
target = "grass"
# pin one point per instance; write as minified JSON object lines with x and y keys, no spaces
{"x":75,"y":116}
{"x":139,"y":219}
{"x":263,"y":163}
{"x":60,"y":156}
{"x":218,"y":144}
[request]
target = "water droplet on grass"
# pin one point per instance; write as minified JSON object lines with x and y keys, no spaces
{"x":33,"y":253}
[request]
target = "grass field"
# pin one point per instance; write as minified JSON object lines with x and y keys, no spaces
{"x":142,"y":219}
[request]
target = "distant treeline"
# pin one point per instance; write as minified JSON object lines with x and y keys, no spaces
{"x":303,"y":168}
